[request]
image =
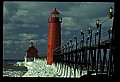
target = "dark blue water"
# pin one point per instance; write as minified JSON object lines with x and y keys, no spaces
{"x":11,"y":70}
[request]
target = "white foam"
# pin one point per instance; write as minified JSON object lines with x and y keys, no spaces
{"x":39,"y":68}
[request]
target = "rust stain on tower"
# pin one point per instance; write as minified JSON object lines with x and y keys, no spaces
{"x":54,"y":35}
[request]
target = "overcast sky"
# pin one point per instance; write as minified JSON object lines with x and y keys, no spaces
{"x":24,"y":21}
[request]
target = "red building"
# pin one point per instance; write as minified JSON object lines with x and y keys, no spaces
{"x":54,"y":34}
{"x":32,"y":52}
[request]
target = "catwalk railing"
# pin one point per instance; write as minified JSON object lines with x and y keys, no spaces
{"x":88,"y":58}
{"x":95,"y":58}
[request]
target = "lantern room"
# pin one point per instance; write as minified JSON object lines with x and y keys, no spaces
{"x":55,"y":13}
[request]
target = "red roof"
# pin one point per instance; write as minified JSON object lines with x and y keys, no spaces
{"x":32,"y":52}
{"x":55,"y":11}
{"x":32,"y":49}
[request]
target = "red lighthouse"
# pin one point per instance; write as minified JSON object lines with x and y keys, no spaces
{"x":54,"y":34}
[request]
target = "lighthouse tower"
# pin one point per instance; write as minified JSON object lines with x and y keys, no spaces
{"x":54,"y":34}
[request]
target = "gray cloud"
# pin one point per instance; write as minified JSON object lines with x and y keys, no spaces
{"x":66,"y":33}
{"x":42,"y":41}
{"x":25,"y":36}
{"x":8,"y":42}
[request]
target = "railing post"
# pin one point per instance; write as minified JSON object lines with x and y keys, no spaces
{"x":62,"y":53}
{"x":90,"y":36}
{"x":98,"y":26}
{"x":65,"y":52}
{"x":71,"y":50}
{"x":68,"y":52}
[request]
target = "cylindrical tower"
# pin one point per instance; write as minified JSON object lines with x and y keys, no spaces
{"x":54,"y":35}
